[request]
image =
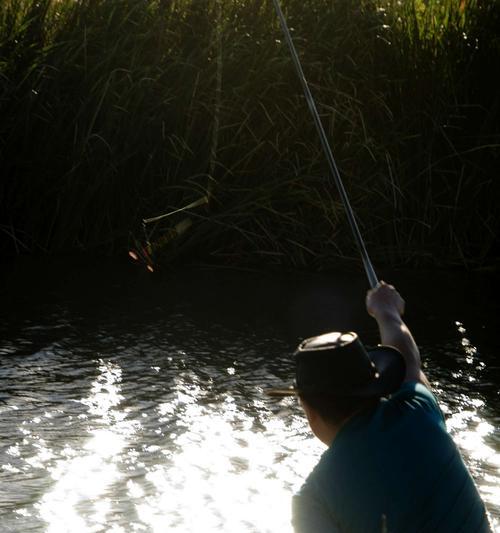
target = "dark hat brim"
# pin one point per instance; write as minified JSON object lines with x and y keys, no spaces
{"x":391,"y":369}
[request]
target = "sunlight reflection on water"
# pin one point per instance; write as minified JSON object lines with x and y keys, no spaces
{"x":465,"y":419}
{"x":85,"y":476}
{"x":156,"y":436}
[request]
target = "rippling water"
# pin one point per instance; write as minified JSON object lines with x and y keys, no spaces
{"x":128,"y":416}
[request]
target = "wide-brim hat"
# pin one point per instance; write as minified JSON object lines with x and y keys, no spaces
{"x":337,"y":364}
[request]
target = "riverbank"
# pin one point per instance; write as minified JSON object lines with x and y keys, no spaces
{"x":115,"y":111}
{"x":300,"y":303}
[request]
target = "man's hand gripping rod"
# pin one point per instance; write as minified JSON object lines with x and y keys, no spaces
{"x":370,"y":272}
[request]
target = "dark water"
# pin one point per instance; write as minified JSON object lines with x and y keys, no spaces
{"x":134,"y":403}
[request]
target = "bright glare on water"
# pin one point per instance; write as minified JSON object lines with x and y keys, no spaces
{"x":163,"y":426}
{"x":150,"y":438}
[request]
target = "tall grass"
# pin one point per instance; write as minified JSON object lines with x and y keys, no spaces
{"x":116,"y":110}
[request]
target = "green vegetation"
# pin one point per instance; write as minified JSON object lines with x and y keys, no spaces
{"x":116,"y":110}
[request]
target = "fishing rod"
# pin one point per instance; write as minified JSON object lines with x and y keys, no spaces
{"x":370,"y":272}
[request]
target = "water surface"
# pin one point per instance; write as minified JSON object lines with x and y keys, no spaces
{"x":132,"y":403}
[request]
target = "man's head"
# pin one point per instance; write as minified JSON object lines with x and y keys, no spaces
{"x":336,"y":376}
{"x":335,"y":410}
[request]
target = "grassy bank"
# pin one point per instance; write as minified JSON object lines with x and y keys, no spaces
{"x":112,"y":111}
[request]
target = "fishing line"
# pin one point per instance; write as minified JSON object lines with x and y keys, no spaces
{"x":370,"y":272}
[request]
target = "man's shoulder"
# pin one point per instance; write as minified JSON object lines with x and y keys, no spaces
{"x":413,"y":387}
{"x":414,"y":395}
{"x":412,"y":410}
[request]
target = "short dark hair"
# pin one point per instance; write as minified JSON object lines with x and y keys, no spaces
{"x":337,"y":409}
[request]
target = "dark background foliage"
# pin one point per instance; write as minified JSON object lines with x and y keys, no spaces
{"x":116,"y":110}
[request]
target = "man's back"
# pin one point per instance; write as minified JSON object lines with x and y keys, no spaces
{"x":392,"y":469}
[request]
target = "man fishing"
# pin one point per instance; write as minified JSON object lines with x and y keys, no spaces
{"x":390,"y":465}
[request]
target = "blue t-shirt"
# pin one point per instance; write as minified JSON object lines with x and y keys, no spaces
{"x":394,"y":469}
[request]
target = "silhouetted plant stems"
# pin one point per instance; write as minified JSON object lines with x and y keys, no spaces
{"x":112,"y":111}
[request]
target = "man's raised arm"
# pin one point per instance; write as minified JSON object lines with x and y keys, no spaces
{"x":385,"y":304}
